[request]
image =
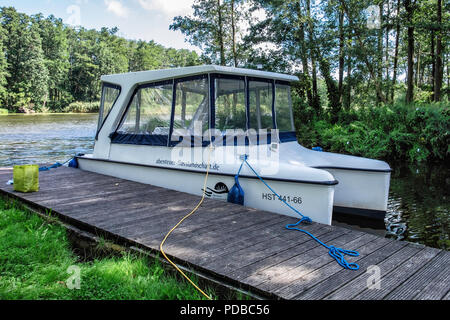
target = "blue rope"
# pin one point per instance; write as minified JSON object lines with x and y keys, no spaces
{"x":54,"y":166}
{"x":336,"y":253}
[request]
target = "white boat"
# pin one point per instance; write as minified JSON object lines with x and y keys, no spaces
{"x":153,"y":128}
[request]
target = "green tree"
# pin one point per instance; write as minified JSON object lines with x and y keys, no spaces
{"x":56,"y":54}
{"x":205,"y":29}
{"x":3,"y":67}
{"x":215,"y":27}
{"x":27,"y":73}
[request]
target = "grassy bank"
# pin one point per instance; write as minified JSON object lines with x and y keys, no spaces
{"x":35,"y":257}
{"x":407,"y":133}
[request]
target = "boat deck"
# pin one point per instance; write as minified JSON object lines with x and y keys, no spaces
{"x":240,"y":246}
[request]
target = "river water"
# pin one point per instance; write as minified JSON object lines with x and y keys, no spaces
{"x":419,"y":197}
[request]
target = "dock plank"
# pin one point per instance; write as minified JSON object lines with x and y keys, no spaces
{"x":392,"y":280}
{"x":284,"y":254}
{"x":359,"y":283}
{"x":246,"y":247}
{"x":325,"y":270}
{"x":429,"y":272}
{"x":280,"y":277}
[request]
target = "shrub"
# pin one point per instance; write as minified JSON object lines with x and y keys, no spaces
{"x":83,"y":107}
{"x":396,"y":132}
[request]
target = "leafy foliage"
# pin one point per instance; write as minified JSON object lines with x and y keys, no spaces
{"x":46,"y":65}
{"x":396,"y":132}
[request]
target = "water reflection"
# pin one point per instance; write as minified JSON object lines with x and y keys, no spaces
{"x":419,"y":206}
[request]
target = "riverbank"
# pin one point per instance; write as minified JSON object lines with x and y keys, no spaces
{"x":74,"y":107}
{"x":37,"y":262}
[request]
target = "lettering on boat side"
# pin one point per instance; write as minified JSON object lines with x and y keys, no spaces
{"x":289,"y":199}
{"x":197,"y":165}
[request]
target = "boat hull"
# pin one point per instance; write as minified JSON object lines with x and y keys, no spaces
{"x":311,"y":199}
{"x":361,"y":189}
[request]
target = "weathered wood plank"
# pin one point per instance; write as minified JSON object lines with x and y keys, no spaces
{"x":224,"y":245}
{"x":359,"y":283}
{"x":284,"y":275}
{"x":214,"y":244}
{"x":422,"y":278}
{"x":326,"y":270}
{"x":392,"y":280}
{"x":165,"y":214}
{"x":437,"y":288}
{"x":331,"y":283}
{"x":249,"y":254}
{"x":247,"y":273}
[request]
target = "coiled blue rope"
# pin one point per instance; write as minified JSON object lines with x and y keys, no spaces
{"x":336,"y":253}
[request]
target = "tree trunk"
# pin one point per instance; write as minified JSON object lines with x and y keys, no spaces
{"x":315,"y":93}
{"x":433,"y":63}
{"x":397,"y":38}
{"x":418,"y":65}
{"x":349,"y":75}
{"x":386,"y":59}
{"x":439,"y":70}
{"x":220,"y":35}
{"x":233,"y":34}
{"x":410,"y":70}
{"x":380,"y":51}
{"x":324,"y":65}
{"x":448,"y":76}
{"x":369,"y":66}
{"x":304,"y":56}
{"x":341,"y":53}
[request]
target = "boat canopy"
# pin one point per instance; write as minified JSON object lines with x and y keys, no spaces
{"x":167,"y":106}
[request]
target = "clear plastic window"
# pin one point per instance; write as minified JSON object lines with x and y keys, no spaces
{"x":283,"y":108}
{"x":192,"y":106}
{"x":260,"y":105}
{"x":230,"y":104}
{"x":149,"y":111}
{"x":109,"y":97}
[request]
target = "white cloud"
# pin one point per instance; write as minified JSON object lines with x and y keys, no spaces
{"x":116,"y":7}
{"x":168,"y":7}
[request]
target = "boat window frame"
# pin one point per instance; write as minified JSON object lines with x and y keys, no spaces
{"x":102,"y":100}
{"x":268,"y":80}
{"x":204,"y":76}
{"x":130,"y":101}
{"x":285,"y":136}
{"x":213,"y":77}
{"x":291,"y":107}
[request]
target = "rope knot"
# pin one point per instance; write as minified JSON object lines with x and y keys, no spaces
{"x":306,"y":220}
{"x":339,"y":255}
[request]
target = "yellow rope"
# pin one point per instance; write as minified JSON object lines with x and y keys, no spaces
{"x":181,"y":221}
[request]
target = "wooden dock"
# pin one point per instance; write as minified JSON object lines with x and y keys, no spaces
{"x":243,"y":247}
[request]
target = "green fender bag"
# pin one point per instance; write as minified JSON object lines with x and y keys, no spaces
{"x":26,"y":178}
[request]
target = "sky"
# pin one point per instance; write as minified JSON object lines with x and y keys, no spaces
{"x":136,"y":19}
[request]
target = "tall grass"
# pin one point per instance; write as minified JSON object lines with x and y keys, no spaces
{"x":35,"y":257}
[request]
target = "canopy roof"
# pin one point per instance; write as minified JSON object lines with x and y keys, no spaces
{"x":132,"y":78}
